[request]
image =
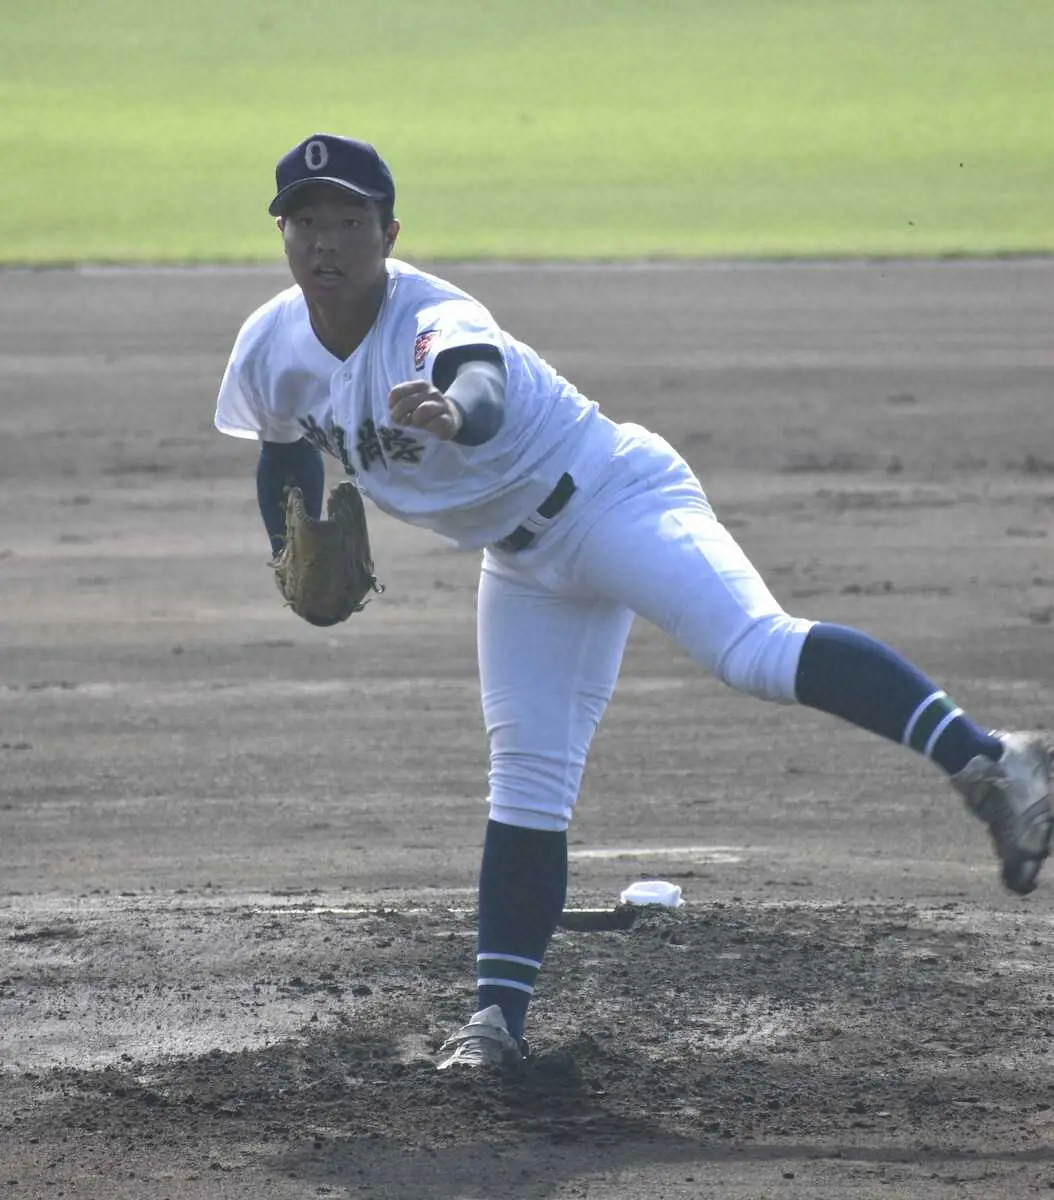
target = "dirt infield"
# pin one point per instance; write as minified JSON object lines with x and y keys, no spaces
{"x":237,"y":854}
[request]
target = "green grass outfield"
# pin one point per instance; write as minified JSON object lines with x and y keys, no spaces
{"x":135,"y":131}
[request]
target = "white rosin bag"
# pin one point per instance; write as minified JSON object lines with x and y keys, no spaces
{"x":653,"y":891}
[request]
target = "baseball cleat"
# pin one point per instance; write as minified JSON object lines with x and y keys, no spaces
{"x":1013,"y":797}
{"x":484,"y":1042}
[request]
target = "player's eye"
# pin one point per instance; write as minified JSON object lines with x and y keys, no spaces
{"x":352,"y":222}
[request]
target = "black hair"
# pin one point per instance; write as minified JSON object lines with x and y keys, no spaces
{"x":301,"y":196}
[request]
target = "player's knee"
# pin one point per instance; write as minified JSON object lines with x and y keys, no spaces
{"x":763,"y":661}
{"x":533,"y":791}
{"x":530,"y":818}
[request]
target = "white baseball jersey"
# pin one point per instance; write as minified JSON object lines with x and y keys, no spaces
{"x":281,"y":384}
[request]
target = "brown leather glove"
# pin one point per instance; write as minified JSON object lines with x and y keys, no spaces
{"x":325,"y":568}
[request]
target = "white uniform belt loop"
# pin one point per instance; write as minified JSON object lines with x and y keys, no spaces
{"x":554,"y":504}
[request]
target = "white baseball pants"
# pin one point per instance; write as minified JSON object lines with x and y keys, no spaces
{"x":553,"y":622}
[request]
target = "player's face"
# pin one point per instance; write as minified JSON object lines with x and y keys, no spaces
{"x":336,"y":245}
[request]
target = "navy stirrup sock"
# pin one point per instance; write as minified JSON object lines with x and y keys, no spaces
{"x":522,"y":889}
{"x":850,"y":675}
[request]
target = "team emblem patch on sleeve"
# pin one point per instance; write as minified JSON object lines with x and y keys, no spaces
{"x":422,"y":346}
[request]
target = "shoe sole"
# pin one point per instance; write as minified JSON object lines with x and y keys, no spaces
{"x":1021,"y":875}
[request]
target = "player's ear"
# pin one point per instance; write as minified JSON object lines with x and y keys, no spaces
{"x":390,"y":235}
{"x":280,"y":224}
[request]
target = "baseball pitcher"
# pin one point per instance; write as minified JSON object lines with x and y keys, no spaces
{"x":444,"y":420}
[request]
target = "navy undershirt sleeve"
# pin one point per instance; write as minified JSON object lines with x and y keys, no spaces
{"x":282,"y":465}
{"x":449,"y":362}
{"x":473,"y":379}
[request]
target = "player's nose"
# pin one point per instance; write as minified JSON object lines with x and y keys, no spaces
{"x":325,"y":237}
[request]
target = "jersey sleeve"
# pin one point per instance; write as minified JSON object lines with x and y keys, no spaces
{"x":241,"y":409}
{"x":236,"y":412}
{"x":450,"y":325}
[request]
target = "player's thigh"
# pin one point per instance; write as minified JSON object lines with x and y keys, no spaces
{"x":665,"y":555}
{"x":543,"y":656}
{"x":548,"y":666}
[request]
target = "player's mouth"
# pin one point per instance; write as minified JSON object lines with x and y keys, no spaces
{"x":328,"y":274}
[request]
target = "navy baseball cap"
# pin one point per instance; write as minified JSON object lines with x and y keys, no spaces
{"x":326,"y":158}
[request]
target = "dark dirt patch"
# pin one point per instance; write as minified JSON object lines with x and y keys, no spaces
{"x":853,"y":1029}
